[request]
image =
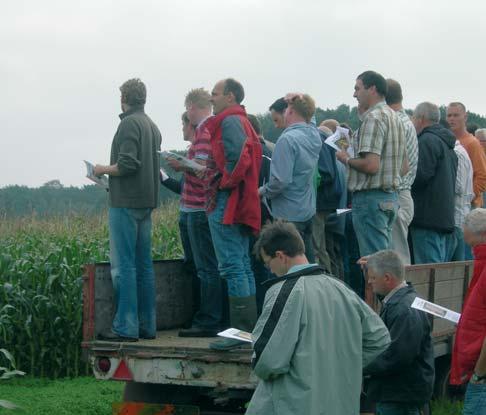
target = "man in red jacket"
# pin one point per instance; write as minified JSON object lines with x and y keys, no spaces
{"x":469,"y":355}
{"x":233,"y":201}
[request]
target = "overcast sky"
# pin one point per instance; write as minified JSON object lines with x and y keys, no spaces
{"x":62,"y":63}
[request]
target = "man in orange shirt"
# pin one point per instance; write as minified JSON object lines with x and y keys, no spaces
{"x":457,"y":119}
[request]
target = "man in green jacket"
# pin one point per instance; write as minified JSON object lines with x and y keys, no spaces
{"x":134,"y":192}
{"x":314,"y":335}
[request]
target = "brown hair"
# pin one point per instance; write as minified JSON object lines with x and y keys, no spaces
{"x":303,"y":104}
{"x":133,"y":92}
{"x":393,"y":92}
{"x":458,"y":104}
{"x":185,"y":118}
{"x":279,"y":236}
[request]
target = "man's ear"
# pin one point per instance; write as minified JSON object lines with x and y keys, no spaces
{"x":232,"y":98}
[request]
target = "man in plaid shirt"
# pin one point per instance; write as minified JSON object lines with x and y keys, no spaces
{"x":379,"y":161}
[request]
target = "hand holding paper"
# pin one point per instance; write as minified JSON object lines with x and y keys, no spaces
{"x":340,"y":141}
{"x":90,"y":174}
{"x":236,"y":334}
{"x":435,"y":309}
{"x":181,"y":162}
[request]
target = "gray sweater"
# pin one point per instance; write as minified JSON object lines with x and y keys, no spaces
{"x":134,"y":149}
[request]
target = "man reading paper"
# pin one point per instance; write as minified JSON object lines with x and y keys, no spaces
{"x":313,"y":337}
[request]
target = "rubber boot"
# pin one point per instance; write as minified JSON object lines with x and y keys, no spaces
{"x":243,"y":316}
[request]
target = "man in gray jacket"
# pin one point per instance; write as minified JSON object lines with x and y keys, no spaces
{"x":134,"y":193}
{"x":314,"y":335}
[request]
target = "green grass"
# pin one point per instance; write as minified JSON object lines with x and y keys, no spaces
{"x":88,"y":396}
{"x":83,"y":395}
{"x":444,"y":407}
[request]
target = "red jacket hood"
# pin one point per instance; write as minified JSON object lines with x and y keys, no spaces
{"x":244,"y":202}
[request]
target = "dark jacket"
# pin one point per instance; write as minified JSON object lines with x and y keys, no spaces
{"x":135,"y":150}
{"x":433,"y":190}
{"x":173,"y":184}
{"x":405,"y":371}
{"x":329,"y":190}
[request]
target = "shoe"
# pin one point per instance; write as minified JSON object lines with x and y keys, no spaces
{"x":225,"y":344}
{"x":198,"y":332}
{"x":243,"y":316}
{"x":147,"y":337}
{"x":110,"y":336}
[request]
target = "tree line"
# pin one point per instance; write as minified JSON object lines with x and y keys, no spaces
{"x":53,"y":199}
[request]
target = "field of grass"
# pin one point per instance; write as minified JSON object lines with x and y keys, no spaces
{"x":83,"y":396}
{"x":88,"y":396}
{"x":41,"y":280}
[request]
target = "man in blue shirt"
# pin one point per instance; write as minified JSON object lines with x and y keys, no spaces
{"x":293,"y":169}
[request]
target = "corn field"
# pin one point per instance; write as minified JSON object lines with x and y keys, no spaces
{"x":41,"y":285}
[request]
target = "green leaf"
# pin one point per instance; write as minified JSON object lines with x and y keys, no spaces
{"x":7,"y":405}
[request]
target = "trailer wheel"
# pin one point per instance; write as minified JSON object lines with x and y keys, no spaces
{"x":157,"y":393}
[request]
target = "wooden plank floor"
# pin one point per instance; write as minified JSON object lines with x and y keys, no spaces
{"x":169,"y":345}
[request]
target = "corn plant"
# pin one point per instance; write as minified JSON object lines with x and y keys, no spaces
{"x":8,"y":371}
{"x":41,"y":264}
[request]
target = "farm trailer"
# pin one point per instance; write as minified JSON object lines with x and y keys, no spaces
{"x":186,"y":373}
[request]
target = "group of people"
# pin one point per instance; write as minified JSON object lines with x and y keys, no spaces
{"x":409,"y":181}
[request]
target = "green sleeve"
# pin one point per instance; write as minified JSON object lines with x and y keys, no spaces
{"x":129,"y":144}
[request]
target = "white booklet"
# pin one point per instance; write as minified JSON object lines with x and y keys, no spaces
{"x":342,"y":211}
{"x":187,"y":163}
{"x":99,"y":180}
{"x":436,"y":310}
{"x":236,"y":334}
{"x":340,"y":141}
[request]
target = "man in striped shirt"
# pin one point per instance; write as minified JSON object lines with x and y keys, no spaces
{"x":399,"y":243}
{"x":464,"y":195}
{"x":379,"y":160}
{"x":207,"y":321}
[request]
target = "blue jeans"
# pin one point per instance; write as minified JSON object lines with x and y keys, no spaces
{"x":353,"y":276}
{"x":374,"y":212}
{"x":231,"y":245}
{"x":396,"y":408}
{"x":210,"y":313}
{"x":455,"y":245}
{"x":132,"y":272}
{"x":429,"y":246}
{"x":475,"y":399}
